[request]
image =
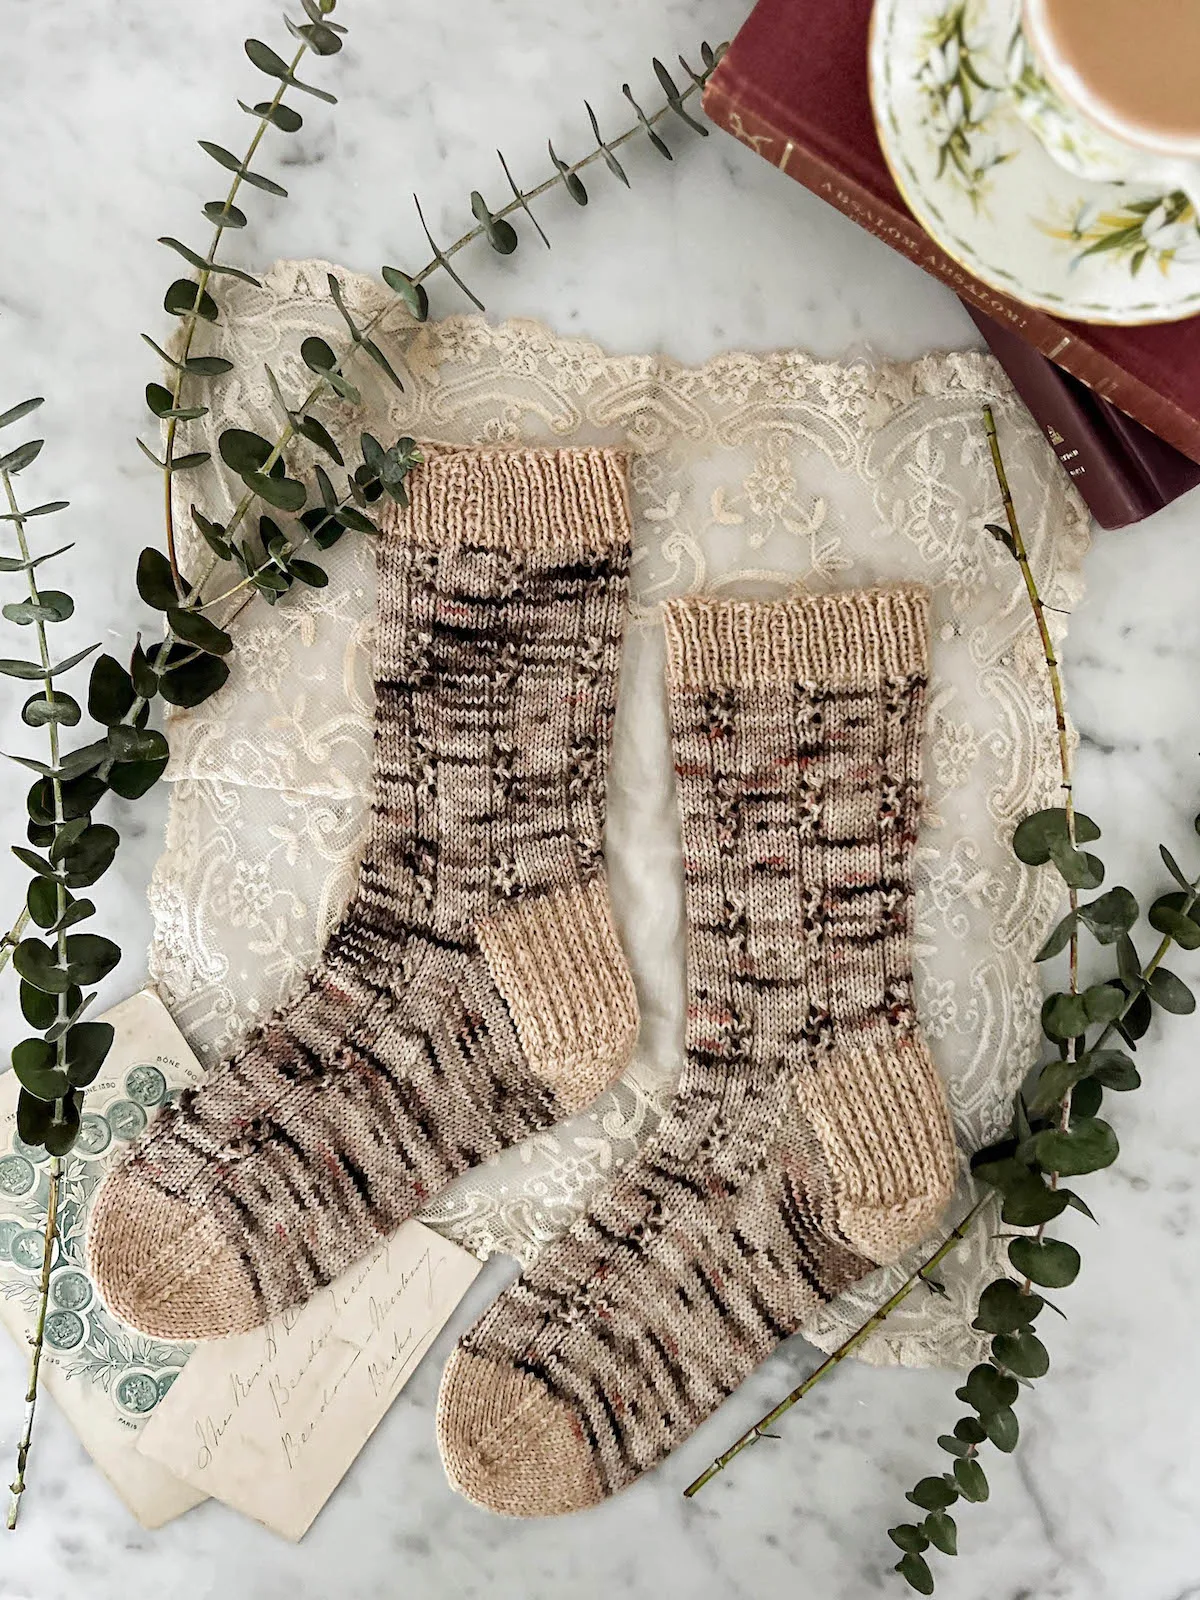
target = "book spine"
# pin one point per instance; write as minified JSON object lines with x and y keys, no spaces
{"x":897,"y":228}
{"x":1076,"y":423}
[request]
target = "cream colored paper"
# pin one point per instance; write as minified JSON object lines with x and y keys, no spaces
{"x":270,"y":1422}
{"x":106,"y":1378}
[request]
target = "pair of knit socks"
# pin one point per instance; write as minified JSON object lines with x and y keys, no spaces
{"x":475,"y":991}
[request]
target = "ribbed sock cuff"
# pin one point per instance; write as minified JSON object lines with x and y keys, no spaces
{"x":856,"y":637}
{"x":569,"y":502}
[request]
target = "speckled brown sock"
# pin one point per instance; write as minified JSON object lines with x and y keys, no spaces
{"x":809,"y":1139}
{"x":474,"y":991}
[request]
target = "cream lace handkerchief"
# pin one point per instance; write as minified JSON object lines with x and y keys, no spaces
{"x":751,"y":475}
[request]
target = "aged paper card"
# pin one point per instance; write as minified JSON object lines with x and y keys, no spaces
{"x":270,"y":1421}
{"x":106,"y":1378}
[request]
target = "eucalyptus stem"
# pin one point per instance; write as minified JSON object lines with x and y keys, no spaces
{"x":1016,"y":545}
{"x":192,"y":318}
{"x":17,"y":1486}
{"x":35,"y":598}
{"x":846,"y":1348}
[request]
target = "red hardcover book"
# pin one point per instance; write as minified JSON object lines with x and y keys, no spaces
{"x":793,"y":86}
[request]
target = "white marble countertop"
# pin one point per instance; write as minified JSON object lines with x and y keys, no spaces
{"x":98,"y":120}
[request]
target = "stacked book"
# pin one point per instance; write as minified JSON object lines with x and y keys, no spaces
{"x":1121,"y":405}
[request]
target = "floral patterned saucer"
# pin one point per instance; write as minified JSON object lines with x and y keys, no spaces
{"x":968,"y":124}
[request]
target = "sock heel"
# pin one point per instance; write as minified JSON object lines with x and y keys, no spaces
{"x":880,"y":1114}
{"x":564,"y":977}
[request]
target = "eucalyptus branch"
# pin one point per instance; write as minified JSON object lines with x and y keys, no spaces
{"x":17,"y":1486}
{"x":330,"y":370}
{"x":1055,"y":1130}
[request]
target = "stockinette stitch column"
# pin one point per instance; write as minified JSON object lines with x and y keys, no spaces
{"x":809,"y":1139}
{"x":474,"y":990}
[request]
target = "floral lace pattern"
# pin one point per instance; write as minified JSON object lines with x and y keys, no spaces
{"x":753,"y":475}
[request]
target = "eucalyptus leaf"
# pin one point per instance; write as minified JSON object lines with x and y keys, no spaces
{"x":34,"y":1117}
{"x":285,"y":493}
{"x":1022,"y":1353}
{"x":914,"y":1569}
{"x":1113,"y":1069}
{"x":90,"y":957}
{"x":40,"y":711}
{"x":15,"y":413}
{"x":412,"y":293}
{"x":23,"y":456}
{"x":1004,"y":1307}
{"x":501,"y":234}
{"x":195,"y":628}
{"x":308,"y":572}
{"x":282,"y":117}
{"x":267,"y":60}
{"x":155,"y":580}
{"x":1174,"y":868}
{"x":224,"y":214}
{"x":655,"y":139}
{"x":1064,"y":1016}
{"x":1104,"y":1002}
{"x":87,"y":1045}
{"x":52,"y":605}
{"x":572,"y":182}
{"x":1171,"y":993}
{"x":1029,"y":1202}
{"x":1112,"y":915}
{"x":193,"y":682}
{"x":932,"y":1494}
{"x":230,"y":162}
{"x":181,"y":300}
{"x":444,"y":261}
{"x":1077,"y":868}
{"x":1056,"y":1080}
{"x":201,"y":264}
{"x":63,"y":1128}
{"x":317,"y":354}
{"x":131,"y":779}
{"x":1086,"y":1146}
{"x":37,"y":963}
{"x":1059,"y":938}
{"x":971,"y":1479}
{"x":317,"y":433}
{"x":34,"y":1064}
{"x":243,"y":451}
{"x":942,"y":1533}
{"x":1168,"y":916}
{"x":1039,"y":833}
{"x":1003,"y":1430}
{"x":207,"y":366}
{"x":907,"y":1536}
{"x":90,"y":856}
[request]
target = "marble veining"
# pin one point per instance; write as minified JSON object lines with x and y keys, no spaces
{"x":100,"y":111}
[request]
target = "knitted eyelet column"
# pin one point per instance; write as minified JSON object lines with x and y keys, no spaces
{"x":809,"y":1138}
{"x":474,"y":991}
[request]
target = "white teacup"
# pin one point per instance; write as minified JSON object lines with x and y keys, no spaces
{"x":1060,"y":92}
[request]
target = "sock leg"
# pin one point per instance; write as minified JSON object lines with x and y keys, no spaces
{"x":475,"y":990}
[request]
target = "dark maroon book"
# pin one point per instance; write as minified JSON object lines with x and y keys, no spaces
{"x":1123,"y":471}
{"x":793,"y":86}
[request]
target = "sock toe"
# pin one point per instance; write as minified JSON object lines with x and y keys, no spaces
{"x":166,"y":1268}
{"x":508,"y":1444}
